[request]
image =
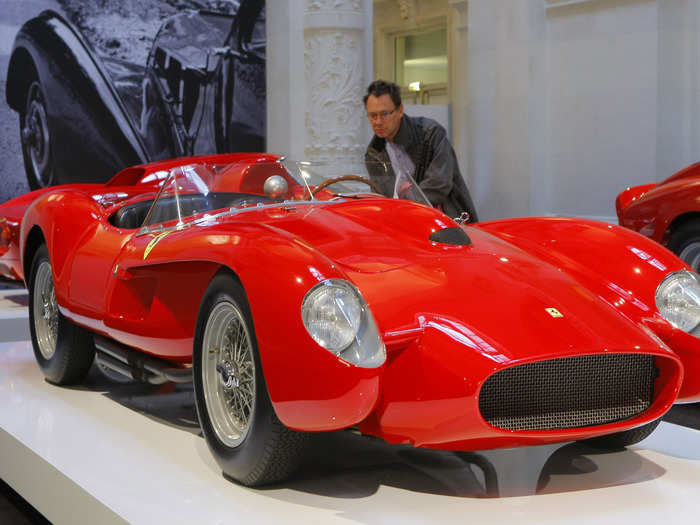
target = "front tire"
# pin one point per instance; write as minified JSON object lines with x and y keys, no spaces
{"x":63,"y":350}
{"x":685,"y":242}
{"x":239,"y":423}
{"x":623,"y":439}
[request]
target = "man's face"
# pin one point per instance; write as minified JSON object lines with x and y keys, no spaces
{"x":384,"y":117}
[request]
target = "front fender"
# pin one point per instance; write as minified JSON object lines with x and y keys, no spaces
{"x":655,"y":212}
{"x":628,"y":196}
{"x":310,"y":388}
{"x":85,"y":113}
{"x":596,"y":254}
{"x":621,"y":267}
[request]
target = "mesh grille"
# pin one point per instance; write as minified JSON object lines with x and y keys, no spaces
{"x":569,"y":392}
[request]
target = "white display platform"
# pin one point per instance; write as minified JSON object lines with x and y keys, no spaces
{"x":111,"y":453}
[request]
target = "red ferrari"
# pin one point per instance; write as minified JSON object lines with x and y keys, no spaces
{"x":298,"y":299}
{"x":668,"y":212}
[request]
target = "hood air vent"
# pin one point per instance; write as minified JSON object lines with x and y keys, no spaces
{"x":454,"y":235}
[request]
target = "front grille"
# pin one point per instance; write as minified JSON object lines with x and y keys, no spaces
{"x":569,"y":392}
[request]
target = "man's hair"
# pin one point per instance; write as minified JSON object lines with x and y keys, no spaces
{"x":382,"y":87}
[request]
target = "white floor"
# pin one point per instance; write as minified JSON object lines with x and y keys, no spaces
{"x":115,"y":453}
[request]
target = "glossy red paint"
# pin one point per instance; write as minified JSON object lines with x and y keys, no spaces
{"x":450,"y":316}
{"x":10,"y":221}
{"x":654,"y":210}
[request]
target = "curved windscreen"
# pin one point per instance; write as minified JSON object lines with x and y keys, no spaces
{"x":197,"y":191}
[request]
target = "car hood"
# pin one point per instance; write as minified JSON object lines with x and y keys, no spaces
{"x":368,"y":236}
{"x":488,"y":295}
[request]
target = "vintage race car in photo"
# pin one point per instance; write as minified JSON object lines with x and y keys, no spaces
{"x":201,"y":90}
{"x":668,"y":212}
{"x":297,"y":299}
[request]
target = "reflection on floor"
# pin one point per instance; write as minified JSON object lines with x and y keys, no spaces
{"x":133,"y":453}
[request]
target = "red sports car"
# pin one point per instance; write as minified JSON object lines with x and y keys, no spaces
{"x":668,"y":212}
{"x":298,"y":299}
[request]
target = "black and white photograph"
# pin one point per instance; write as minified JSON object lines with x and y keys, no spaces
{"x":92,"y":87}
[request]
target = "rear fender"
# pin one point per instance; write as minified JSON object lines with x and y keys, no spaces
{"x":65,"y":217}
{"x":11,"y":213}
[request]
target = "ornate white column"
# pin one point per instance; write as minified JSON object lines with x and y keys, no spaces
{"x":319,"y":63}
{"x":335,"y":66}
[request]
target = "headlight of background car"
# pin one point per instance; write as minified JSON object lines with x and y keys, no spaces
{"x":339,"y":320}
{"x":678,"y":300}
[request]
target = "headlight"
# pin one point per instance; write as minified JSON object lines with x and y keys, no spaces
{"x":678,"y":300}
{"x":338,"y":319}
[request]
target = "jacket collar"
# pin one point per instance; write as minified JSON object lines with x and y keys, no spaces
{"x":403,"y":137}
{"x":405,"y":134}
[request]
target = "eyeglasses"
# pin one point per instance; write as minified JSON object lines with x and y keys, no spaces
{"x":381,"y":115}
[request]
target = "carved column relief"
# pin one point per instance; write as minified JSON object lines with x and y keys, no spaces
{"x":406,"y":8}
{"x":334,"y":66}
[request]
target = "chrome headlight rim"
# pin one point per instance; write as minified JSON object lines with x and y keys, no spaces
{"x":322,"y":287}
{"x":687,"y":323}
{"x":365,"y":348}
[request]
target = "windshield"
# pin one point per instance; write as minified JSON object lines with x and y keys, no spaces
{"x":200,"y":191}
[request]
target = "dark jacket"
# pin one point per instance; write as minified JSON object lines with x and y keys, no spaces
{"x":437,"y":172}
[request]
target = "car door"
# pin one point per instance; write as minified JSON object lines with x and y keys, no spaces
{"x":154,"y":292}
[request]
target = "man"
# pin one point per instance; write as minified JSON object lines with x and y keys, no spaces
{"x":416,"y":145}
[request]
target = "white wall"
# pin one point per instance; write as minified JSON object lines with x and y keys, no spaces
{"x":437,"y":112}
{"x":602,"y":87}
{"x":506,"y":135}
{"x":678,"y":115}
{"x":569,"y":102}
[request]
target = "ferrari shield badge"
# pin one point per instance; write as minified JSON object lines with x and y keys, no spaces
{"x":554,"y":312}
{"x":153,"y":243}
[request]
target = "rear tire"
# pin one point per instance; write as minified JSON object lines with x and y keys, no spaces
{"x":63,"y":350}
{"x":685,"y":242}
{"x":623,"y":439}
{"x":239,"y":423}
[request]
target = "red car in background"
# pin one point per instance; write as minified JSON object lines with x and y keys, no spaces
{"x":297,"y":299}
{"x":668,"y":212}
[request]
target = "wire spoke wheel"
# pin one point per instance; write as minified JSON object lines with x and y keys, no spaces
{"x":228,"y":374}
{"x":238,"y":420}
{"x":63,"y":350}
{"x":45,"y":310}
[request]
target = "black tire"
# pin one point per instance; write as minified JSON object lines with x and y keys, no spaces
{"x":623,"y":439}
{"x":63,"y":350}
{"x":685,"y":242}
{"x":238,"y":421}
{"x":35,"y":137}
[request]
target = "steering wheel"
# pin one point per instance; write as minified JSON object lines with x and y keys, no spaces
{"x":342,"y":178}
